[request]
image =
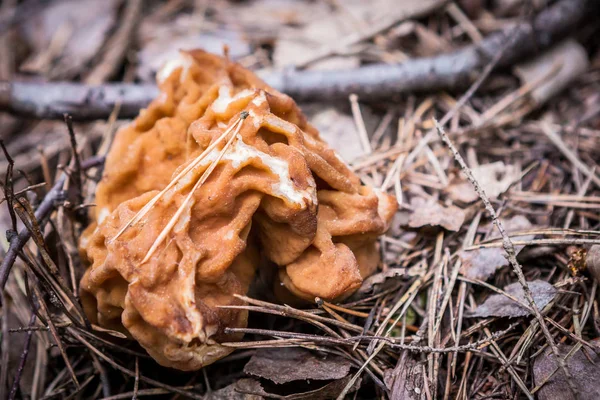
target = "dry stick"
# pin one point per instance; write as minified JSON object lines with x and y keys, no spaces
{"x":359,"y":122}
{"x":292,"y":312}
{"x":504,"y":361}
{"x":76,"y":174}
{"x":104,"y":381}
{"x":27,"y":189}
{"x":509,"y":248}
{"x":5,"y":349}
{"x":540,"y":242}
{"x":299,"y":316}
{"x":447,"y":295}
{"x":432,"y":308}
{"x":405,"y":300}
{"x":361,"y":314}
{"x":54,"y":331}
{"x":373,"y":82}
{"x":44,"y":209}
{"x":8,"y":187}
{"x":463,"y":99}
{"x":474,"y":346}
{"x":136,"y":382}
{"x":445,"y":71}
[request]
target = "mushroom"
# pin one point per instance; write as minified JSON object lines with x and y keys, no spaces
{"x":219,"y":168}
{"x":344,"y":251}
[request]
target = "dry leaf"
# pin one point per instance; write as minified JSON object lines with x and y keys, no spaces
{"x":434,"y":214}
{"x":406,"y":380}
{"x":295,"y":364}
{"x":231,"y":392}
{"x":386,"y":278}
{"x":329,"y":391}
{"x":483,"y":263}
{"x":379,"y":278}
{"x":584,"y":368}
{"x":494,"y":178}
{"x":273,"y":15}
{"x":498,"y":305}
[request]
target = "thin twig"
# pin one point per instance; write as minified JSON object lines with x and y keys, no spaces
{"x":44,"y":209}
{"x":22,"y":360}
{"x":76,"y":175}
{"x":509,"y":248}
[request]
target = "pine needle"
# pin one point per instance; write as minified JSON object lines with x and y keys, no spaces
{"x":144,"y":210}
{"x":163,"y":234}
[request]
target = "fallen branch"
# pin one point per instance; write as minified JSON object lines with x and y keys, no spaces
{"x":81,"y":102}
{"x":43,"y":211}
{"x":372,"y":82}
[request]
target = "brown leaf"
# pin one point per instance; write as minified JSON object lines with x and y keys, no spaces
{"x":329,"y":391}
{"x":379,"y":278}
{"x":498,"y":305}
{"x":273,"y":15}
{"x":585,"y":372}
{"x":406,"y":380}
{"x":386,"y":278}
{"x":231,"y":393}
{"x":483,"y":263}
{"x":294,"y":364}
{"x":434,"y":214}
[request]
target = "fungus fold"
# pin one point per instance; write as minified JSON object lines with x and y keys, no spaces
{"x":217,"y":171}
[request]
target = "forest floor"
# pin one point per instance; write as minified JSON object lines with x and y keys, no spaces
{"x":488,"y":134}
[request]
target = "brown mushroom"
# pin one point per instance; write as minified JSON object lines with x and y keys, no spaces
{"x":218,"y":168}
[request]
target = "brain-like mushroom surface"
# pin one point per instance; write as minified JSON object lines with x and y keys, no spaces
{"x":219,"y":169}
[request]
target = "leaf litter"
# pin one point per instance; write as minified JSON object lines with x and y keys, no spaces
{"x":483,"y":263}
{"x":433,"y":214}
{"x":407,"y":333}
{"x":500,"y":305}
{"x":294,"y":364}
{"x":584,"y":366}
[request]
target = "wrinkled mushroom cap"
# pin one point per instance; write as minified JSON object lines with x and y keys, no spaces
{"x":218,"y":169}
